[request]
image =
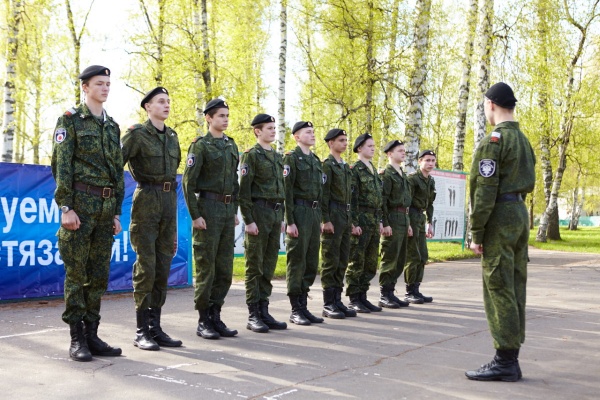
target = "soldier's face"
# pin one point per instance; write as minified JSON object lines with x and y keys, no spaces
{"x":367,"y":150}
{"x":220,"y":120}
{"x":427,"y":163}
{"x":159,"y":107}
{"x":97,"y":88}
{"x":398,"y":154}
{"x":305,"y":136}
{"x":339,"y":144}
{"x":267,"y":133}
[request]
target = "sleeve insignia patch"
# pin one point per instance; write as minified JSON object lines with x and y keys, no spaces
{"x":324,"y":178}
{"x":191,"y":160}
{"x":60,"y":135}
{"x":495,"y":137}
{"x":244,"y":169}
{"x":286,"y":171}
{"x":487,"y":167}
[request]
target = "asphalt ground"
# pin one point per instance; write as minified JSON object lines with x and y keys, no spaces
{"x":419,"y":352}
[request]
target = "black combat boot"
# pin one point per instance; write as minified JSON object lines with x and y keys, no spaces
{"x":97,"y":346}
{"x":385,"y":299}
{"x":368,"y":304}
{"x":79,"y":350}
{"x":255,"y":324}
{"x":503,"y":367}
{"x":338,"y":302}
{"x":330,"y":308}
{"x":426,"y":299}
{"x":205,"y":327}
{"x":297,"y":316}
{"x":517,"y":361}
{"x":304,"y":303}
{"x":392,"y":296}
{"x":357,"y":305}
{"x":411,"y":296}
{"x":268,"y":319}
{"x":215,"y":317}
{"x":143,"y":340}
{"x":156,"y":332}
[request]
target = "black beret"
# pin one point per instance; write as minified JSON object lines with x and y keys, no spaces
{"x":360,"y":140}
{"x":501,"y":94}
{"x":333,"y":133}
{"x":301,"y":124}
{"x":152,"y":93}
{"x":262,"y":119}
{"x":390,"y":146}
{"x":426,"y":153}
{"x":215,"y":103}
{"x":94,"y":70}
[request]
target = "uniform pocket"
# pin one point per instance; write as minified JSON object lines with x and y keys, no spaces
{"x":65,"y":234}
{"x":88,"y":142}
{"x":492,"y":272}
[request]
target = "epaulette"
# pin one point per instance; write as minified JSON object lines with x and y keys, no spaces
{"x":196,"y":139}
{"x":287,"y":153}
{"x":412,"y":173}
{"x":70,"y":112}
{"x":135,"y":126}
{"x":248,"y":150}
{"x":495,"y":137}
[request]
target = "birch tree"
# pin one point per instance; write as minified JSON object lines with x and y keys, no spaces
{"x":463,"y":89}
{"x":76,"y":42}
{"x":416,"y":99}
{"x":567,"y":113}
{"x":484,"y":51}
{"x":281,"y":131}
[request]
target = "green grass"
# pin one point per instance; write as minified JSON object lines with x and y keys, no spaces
{"x":438,"y":251}
{"x":583,"y":240}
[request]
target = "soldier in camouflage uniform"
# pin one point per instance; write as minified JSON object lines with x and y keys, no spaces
{"x":337,"y":225}
{"x":396,"y":199}
{"x":366,"y":219}
{"x":153,"y":152}
{"x":502,"y":173}
{"x":303,"y":178}
{"x":262,"y":193}
{"x":88,"y":168}
{"x":210,"y":184}
{"x":422,"y":188}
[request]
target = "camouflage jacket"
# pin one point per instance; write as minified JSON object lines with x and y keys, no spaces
{"x":337,"y":186}
{"x":504,"y":162}
{"x":303,"y":177}
{"x":423,"y":192}
{"x":396,"y":191}
{"x":153,"y":156}
{"x":88,"y":151}
{"x":366,"y":192}
{"x":262,"y":178}
{"x":211,"y":166}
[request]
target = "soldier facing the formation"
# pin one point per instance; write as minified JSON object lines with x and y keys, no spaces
{"x":153,"y":153}
{"x":210,"y":185}
{"x":262,"y":194}
{"x":87,"y":165}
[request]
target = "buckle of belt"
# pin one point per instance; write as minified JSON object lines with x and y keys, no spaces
{"x":347,"y":207}
{"x":315,"y":205}
{"x":166,"y":187}
{"x":277,"y":206}
{"x":106,"y":190}
{"x":227,"y":199}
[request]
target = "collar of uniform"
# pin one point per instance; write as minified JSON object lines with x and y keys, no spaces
{"x":260,"y":149}
{"x":84,"y":112}
{"x":151,"y":128}
{"x":300,"y":153}
{"x":334,"y":161}
{"x":211,"y":138}
{"x":420,"y":175}
{"x":391,"y":168}
{"x":507,"y":124}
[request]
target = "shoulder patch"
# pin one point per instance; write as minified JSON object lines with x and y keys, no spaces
{"x":248,"y":150}
{"x":70,"y":112}
{"x":495,"y":137}
{"x":191,"y":160}
{"x":287,"y":153}
{"x":324,"y":178}
{"x":244,"y":169}
{"x":196,"y":139}
{"x":60,"y":135}
{"x":487,"y":167}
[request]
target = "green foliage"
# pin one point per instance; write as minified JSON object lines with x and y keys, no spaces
{"x":583,"y":240}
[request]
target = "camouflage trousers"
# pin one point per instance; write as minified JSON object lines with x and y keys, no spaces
{"x":335,"y":250}
{"x":303,"y":251}
{"x":364,"y":250}
{"x":153,"y":237}
{"x":262,"y":251}
{"x":86,"y":255}
{"x":504,"y":265}
{"x":393,"y":250}
{"x":416,"y":250}
{"x":213,"y":254}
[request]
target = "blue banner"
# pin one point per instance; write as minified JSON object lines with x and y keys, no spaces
{"x":30,"y":264}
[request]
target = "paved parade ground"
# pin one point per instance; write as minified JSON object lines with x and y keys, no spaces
{"x":419,"y":352}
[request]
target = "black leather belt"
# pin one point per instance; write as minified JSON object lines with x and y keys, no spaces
{"x":417,"y":210}
{"x":506,"y":197}
{"x":403,"y":210}
{"x":225,"y":198}
{"x":268,"y":204}
{"x":307,"y":203}
{"x":104,"y":192}
{"x":165,"y":186}
{"x":341,"y":206}
{"x":368,"y":209}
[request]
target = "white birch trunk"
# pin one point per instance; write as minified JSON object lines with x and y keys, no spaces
{"x":484,"y":52}
{"x":463,"y":90}
{"x":8,"y":119}
{"x":414,"y":115}
{"x":199,"y":106}
{"x":281,"y":131}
